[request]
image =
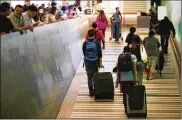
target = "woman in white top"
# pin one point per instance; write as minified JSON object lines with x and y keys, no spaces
{"x":51,"y":16}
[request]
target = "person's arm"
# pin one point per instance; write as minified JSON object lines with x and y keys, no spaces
{"x":86,"y":36}
{"x":84,"y":48}
{"x":158,"y":43}
{"x":134,"y":60}
{"x":127,"y":39}
{"x":106,"y":21}
{"x":120,"y":16}
{"x":52,"y":20}
{"x":3,"y":33}
{"x":173,"y":29}
{"x":99,"y":54}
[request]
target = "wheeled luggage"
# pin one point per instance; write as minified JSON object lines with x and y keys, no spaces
{"x":136,"y":103}
{"x":160,"y":65}
{"x":103,"y":86}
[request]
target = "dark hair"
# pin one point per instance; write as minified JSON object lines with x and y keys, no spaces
{"x":94,"y":25}
{"x":91,"y":33}
{"x":151,"y":33}
{"x":53,"y":4}
{"x":132,"y":29}
{"x":166,"y":18}
{"x":19,"y":6}
{"x":25,"y":7}
{"x":53,"y":9}
{"x":40,"y":7}
{"x":4,"y":7}
{"x":117,"y":8}
{"x":32,"y":8}
{"x":126,"y":49}
{"x":37,"y":17}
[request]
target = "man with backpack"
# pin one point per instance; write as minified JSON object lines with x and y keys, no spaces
{"x":98,"y":34}
{"x":92,"y":58}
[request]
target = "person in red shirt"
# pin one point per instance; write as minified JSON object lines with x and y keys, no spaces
{"x":98,"y":34}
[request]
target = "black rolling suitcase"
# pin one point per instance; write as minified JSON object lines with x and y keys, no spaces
{"x":160,"y":65}
{"x":103,"y":86}
{"x":136,"y":103}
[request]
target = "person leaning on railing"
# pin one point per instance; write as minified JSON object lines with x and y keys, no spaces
{"x":18,"y":20}
{"x":5,"y":23}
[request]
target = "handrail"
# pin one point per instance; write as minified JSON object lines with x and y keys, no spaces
{"x":177,"y":52}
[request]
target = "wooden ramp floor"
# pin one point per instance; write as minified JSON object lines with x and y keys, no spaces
{"x":163,"y":99}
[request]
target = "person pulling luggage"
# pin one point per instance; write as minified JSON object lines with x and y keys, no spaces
{"x":126,"y":70}
{"x":92,"y":58}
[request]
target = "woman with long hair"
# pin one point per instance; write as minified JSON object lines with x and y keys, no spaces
{"x":102,"y":21}
{"x":135,"y":49}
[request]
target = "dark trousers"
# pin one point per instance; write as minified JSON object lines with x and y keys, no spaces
{"x":164,"y":42}
{"x":91,"y":69}
{"x":103,"y":31}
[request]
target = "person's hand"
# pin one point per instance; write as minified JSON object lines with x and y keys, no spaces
{"x":101,"y":65}
{"x":31,"y":28}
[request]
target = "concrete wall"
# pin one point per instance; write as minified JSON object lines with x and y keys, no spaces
{"x":37,"y":68}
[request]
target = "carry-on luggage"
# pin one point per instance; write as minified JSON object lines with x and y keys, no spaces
{"x":103,"y":86}
{"x":136,"y":103}
{"x":160,"y":65}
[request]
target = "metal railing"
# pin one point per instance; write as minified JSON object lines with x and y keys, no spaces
{"x":177,"y":52}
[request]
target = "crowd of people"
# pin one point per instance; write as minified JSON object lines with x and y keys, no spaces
{"x":135,"y":48}
{"x":29,"y":16}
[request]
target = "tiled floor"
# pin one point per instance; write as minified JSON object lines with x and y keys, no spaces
{"x":163,"y":100}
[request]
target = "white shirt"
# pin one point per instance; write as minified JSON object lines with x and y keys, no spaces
{"x":28,"y":20}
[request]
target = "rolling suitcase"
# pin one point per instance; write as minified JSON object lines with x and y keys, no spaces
{"x":136,"y":103}
{"x":103,"y":86}
{"x":160,"y":65}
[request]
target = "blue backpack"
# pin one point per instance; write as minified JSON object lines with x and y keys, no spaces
{"x":91,"y":52}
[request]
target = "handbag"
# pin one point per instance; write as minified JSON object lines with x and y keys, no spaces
{"x":143,"y":54}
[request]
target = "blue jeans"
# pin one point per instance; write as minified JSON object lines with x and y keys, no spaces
{"x":164,"y":42}
{"x":117,"y":30}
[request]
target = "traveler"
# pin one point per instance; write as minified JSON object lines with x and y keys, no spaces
{"x":92,"y":58}
{"x":126,"y":68}
{"x":130,"y":36}
{"x":117,"y":24}
{"x":136,"y":48}
{"x":98,"y":34}
{"x":164,"y":30}
{"x":102,"y":21}
{"x":151,"y":45}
